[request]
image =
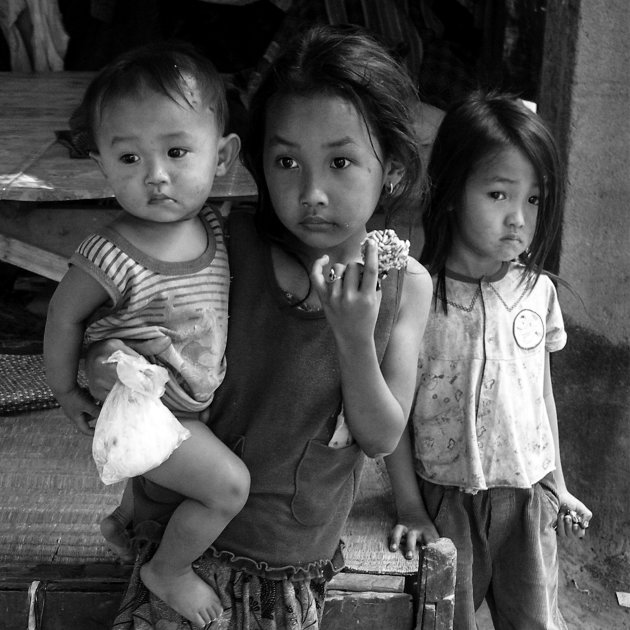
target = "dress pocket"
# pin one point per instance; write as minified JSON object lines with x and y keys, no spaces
{"x":325,"y":481}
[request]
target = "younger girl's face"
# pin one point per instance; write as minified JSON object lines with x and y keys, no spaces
{"x":324,"y":171}
{"x":496,"y":218}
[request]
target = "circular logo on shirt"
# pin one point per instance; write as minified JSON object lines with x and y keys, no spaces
{"x":528,"y":329}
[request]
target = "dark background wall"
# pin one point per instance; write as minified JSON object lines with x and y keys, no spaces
{"x":585,"y":95}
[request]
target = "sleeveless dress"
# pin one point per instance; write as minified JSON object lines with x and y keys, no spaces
{"x":277,"y":409}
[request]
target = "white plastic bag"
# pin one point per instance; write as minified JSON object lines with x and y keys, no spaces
{"x":135,"y":432}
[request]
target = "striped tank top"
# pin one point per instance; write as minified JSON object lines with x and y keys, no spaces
{"x":185,"y":302}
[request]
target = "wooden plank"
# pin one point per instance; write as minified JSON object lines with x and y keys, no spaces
{"x":34,"y":167}
{"x":41,"y":237}
{"x":32,"y":258}
{"x":14,"y":608}
{"x":436,"y":579}
{"x":57,"y":228}
{"x":45,"y":96}
{"x":91,"y":609}
{"x":57,"y":177}
{"x":368,"y":611}
{"x":359,"y":582}
{"x":91,"y":576}
{"x":439,"y":561}
{"x":58,"y":609}
{"x":444,"y":613}
{"x":429,"y":617}
{"x":54,"y":176}
{"x":80,"y":610}
{"x":33,"y":107}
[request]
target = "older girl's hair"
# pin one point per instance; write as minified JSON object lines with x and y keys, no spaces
{"x":162,"y":67}
{"x":473,"y":129}
{"x":350,"y":63}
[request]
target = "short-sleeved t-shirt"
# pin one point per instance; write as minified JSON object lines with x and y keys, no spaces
{"x":479,"y":416}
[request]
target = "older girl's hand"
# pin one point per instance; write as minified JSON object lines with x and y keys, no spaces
{"x":349,"y":295}
{"x":412,"y":529}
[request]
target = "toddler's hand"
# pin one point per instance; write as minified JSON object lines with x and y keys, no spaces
{"x":80,"y":408}
{"x":573,"y":517}
{"x":411,"y":530}
{"x":101,"y":374}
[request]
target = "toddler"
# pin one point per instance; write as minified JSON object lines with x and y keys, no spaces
{"x":159,"y":274}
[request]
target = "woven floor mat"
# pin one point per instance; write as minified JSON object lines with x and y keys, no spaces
{"x":23,"y":385}
{"x":52,"y":498}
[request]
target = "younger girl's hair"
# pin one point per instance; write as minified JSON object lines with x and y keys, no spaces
{"x":474,"y":129}
{"x":162,"y":67}
{"x":346,"y":62}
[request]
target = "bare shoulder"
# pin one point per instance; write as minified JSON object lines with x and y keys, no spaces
{"x":417,"y":291}
{"x":417,"y":275}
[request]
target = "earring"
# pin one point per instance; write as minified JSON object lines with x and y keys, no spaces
{"x":389,"y":189}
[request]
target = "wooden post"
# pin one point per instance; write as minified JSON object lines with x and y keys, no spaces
{"x":436,"y":586}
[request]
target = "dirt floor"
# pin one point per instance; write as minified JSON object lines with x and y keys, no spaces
{"x":588,"y":585}
{"x":589,"y":580}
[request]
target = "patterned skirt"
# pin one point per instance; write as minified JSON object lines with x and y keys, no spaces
{"x":250,"y":602}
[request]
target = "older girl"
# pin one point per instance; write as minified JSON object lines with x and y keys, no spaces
{"x":312,"y":331}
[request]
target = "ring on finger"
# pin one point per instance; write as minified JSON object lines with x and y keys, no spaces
{"x":332,"y":275}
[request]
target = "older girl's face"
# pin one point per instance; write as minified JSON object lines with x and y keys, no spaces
{"x":324,"y":171}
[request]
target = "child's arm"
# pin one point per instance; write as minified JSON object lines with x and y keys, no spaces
{"x":75,"y":299}
{"x":102,"y":375}
{"x":413,"y":523}
{"x":566,"y":525}
{"x":376,"y":398}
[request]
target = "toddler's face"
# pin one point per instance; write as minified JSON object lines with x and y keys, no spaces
{"x":159,"y":155}
{"x":496,"y":218}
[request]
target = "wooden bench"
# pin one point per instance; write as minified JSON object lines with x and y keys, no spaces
{"x":55,"y":566}
{"x":422,"y":600}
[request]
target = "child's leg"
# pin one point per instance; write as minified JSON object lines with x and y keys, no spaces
{"x":216,"y":483}
{"x":524,"y":590}
{"x":462,"y":518}
{"x":114,"y":526}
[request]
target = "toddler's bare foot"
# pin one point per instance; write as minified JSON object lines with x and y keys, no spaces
{"x":184,"y":592}
{"x":115,"y":533}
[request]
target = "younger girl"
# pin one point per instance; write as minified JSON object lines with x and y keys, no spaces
{"x":310,"y":331}
{"x":159,"y":272}
{"x":485,"y":433}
